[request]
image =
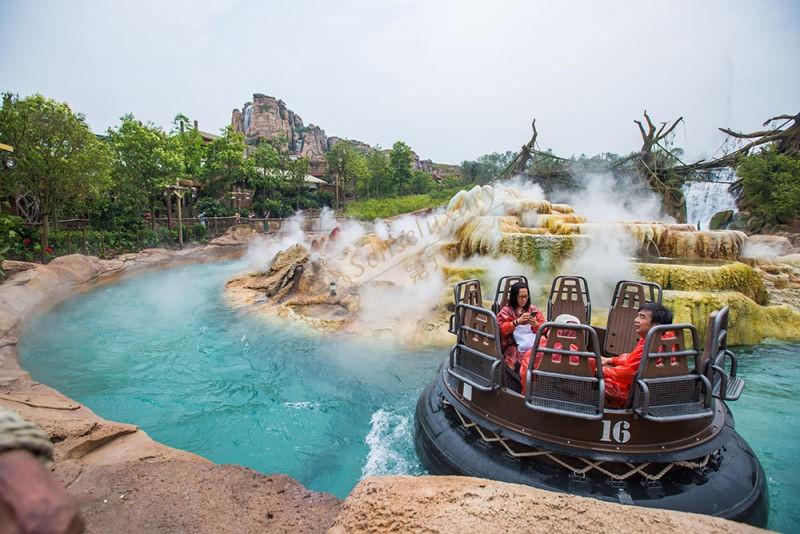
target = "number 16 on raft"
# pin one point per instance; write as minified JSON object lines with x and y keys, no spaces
{"x":617,"y":431}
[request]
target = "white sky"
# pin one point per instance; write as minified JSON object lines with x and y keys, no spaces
{"x":453,"y":78}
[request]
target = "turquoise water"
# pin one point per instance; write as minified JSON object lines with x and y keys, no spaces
{"x":161,"y":350}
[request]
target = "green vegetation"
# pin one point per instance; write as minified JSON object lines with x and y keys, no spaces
{"x":487,"y":167}
{"x":382,"y":208}
{"x":771,"y":185}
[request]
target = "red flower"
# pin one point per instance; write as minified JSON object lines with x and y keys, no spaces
{"x":49,"y":250}
{"x":26,"y":241}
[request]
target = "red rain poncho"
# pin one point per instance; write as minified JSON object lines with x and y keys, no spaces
{"x":505,"y":320}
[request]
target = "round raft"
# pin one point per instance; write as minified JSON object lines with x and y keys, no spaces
{"x":673,"y":447}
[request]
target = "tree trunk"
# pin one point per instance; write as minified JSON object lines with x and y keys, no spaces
{"x":153,"y":213}
{"x":45,"y":241}
{"x":169,"y":211}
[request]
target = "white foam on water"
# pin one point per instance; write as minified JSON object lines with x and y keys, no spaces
{"x":390,"y":433}
{"x":303,"y":405}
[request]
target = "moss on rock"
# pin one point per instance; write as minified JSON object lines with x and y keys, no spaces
{"x":750,"y":323}
{"x":543,"y":252}
{"x":722,"y":277}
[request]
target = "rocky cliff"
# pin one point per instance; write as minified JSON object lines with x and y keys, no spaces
{"x":266,"y":117}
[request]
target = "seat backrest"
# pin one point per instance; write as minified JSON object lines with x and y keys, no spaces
{"x":469,"y":292}
{"x":504,"y":287}
{"x":570,"y":294}
{"x":478,"y":329}
{"x":628,"y":298}
{"x":669,"y":385}
{"x":476,"y":358}
{"x":716,"y":340}
{"x":563,"y":382}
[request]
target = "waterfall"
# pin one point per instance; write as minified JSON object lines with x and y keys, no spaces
{"x":247,"y":114}
{"x":704,"y":199}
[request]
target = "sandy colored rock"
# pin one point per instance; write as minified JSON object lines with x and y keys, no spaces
{"x":462,"y":504}
{"x":11,"y":267}
{"x":236,"y":236}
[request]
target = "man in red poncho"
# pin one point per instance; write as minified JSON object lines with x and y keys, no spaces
{"x":619,"y":371}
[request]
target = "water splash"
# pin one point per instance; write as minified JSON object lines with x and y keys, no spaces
{"x":389,"y":440}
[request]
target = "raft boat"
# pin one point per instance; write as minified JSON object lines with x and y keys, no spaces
{"x":674,"y":446}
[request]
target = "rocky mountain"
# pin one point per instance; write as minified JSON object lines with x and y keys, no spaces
{"x":266,"y":117}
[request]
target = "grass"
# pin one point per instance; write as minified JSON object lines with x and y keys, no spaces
{"x":382,"y":208}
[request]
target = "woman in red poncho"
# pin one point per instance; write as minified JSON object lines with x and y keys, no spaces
{"x":518,"y":322}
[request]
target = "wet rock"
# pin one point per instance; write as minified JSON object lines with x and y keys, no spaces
{"x":720,"y":220}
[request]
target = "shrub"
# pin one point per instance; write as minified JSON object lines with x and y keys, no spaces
{"x":213,"y":208}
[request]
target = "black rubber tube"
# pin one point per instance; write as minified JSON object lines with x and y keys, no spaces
{"x":732,"y":487}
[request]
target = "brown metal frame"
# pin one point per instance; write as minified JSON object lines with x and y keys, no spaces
{"x":570,"y":294}
{"x":564,"y":377}
{"x":725,"y":386}
{"x":477,"y":348}
{"x":665,"y":366}
{"x":620,"y":335}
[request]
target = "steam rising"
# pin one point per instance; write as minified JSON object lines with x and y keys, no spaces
{"x":397,"y":264}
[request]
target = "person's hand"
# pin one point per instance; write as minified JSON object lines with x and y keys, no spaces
{"x":605,"y":361}
{"x":525,"y":318}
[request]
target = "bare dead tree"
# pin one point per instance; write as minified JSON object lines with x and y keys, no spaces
{"x":520,"y":163}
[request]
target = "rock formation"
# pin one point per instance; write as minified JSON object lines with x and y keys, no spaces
{"x":463,"y":504}
{"x":266,"y":117}
{"x":295,"y":284}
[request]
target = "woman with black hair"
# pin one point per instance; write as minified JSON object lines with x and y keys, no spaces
{"x":518,"y":321}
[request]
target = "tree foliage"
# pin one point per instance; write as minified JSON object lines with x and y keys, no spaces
{"x":347,"y":166}
{"x":400,"y":160}
{"x":771,"y":185}
{"x":58,"y":159}
{"x":486,"y":167}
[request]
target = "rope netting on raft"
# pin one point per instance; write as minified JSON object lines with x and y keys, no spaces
{"x":648,"y":470}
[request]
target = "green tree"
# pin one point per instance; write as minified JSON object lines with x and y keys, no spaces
{"x":771,"y":185}
{"x":146,"y":161}
{"x":420,"y":183}
{"x":486,"y":167}
{"x":225,"y":163}
{"x":378,"y":180}
{"x":58,"y":159}
{"x":347,"y":166}
{"x":400,"y":160}
{"x":189,"y":143}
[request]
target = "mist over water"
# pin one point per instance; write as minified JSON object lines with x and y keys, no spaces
{"x":162,"y":350}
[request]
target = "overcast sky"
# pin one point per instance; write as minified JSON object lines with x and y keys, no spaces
{"x":454,"y":79}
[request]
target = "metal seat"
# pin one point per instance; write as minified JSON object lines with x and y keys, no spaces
{"x":570,"y":294}
{"x":476,"y":358}
{"x":628,"y":298}
{"x":725,"y":386}
{"x":503,"y":288}
{"x":564,"y":383}
{"x":665,"y":388}
{"x":469,"y":292}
